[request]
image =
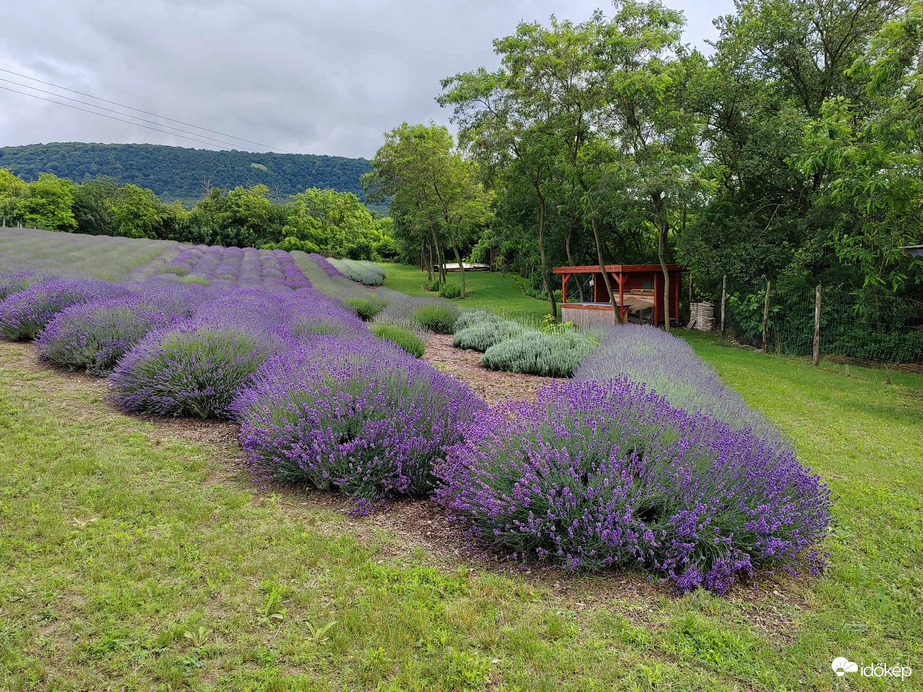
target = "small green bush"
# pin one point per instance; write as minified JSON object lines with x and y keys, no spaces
{"x":534,"y":353}
{"x":432,"y":286}
{"x":448,"y":290}
{"x":471,"y":317}
{"x":403,"y":337}
{"x":367,"y":307}
{"x":195,"y":279}
{"x":482,"y":335}
{"x":436,"y":318}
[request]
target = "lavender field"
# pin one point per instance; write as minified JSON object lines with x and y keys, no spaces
{"x":646,"y":466}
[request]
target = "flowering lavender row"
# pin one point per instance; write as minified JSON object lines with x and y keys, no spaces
{"x":232,"y":267}
{"x":671,"y":367}
{"x":24,"y":314}
{"x":358,"y":415}
{"x":595,"y":474}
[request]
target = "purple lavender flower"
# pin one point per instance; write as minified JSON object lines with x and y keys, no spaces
{"x":24,"y":314}
{"x":192,"y":369}
{"x":671,"y":367}
{"x":92,"y":336}
{"x":594,"y":474}
{"x":353,"y":414}
{"x":322,"y":262}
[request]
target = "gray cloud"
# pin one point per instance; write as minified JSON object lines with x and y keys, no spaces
{"x":316,"y":76}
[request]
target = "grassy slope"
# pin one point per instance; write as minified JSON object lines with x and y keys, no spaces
{"x":118,"y":542}
{"x":493,"y":290}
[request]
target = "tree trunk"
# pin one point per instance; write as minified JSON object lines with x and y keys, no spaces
{"x":766,"y":314}
{"x":429,"y":265}
{"x":461,"y":266}
{"x":616,"y":308}
{"x":541,"y":252}
{"x":570,"y":262}
{"x":440,"y":258}
{"x":662,"y":231}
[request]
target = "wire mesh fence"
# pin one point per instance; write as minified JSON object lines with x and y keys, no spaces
{"x":850,"y":325}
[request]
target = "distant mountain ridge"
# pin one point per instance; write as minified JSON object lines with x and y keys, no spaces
{"x":183,"y":173}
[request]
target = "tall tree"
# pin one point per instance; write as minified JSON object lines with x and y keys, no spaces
{"x":431,"y":186}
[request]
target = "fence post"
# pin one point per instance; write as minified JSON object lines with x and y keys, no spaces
{"x":765,"y":314}
{"x":816,"y":351}
{"x":724,"y":286}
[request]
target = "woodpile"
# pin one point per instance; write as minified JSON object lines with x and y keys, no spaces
{"x":701,"y":317}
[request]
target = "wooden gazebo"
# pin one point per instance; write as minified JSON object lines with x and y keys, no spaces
{"x":640,"y":294}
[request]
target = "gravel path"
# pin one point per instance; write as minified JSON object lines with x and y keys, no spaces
{"x":490,"y":385}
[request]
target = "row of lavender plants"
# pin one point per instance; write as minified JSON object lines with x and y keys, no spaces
{"x":321,"y":401}
{"x":685,"y":483}
{"x":646,"y":460}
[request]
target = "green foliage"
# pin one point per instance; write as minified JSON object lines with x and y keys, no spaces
{"x":536,"y":353}
{"x":49,"y":204}
{"x":450,"y":290}
{"x":403,"y":337}
{"x":367,"y":306}
{"x":439,"y":319}
{"x":177,"y":173}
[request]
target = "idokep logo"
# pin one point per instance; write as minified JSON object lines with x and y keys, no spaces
{"x":841,"y":666}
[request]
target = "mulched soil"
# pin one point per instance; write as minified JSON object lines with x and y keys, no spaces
{"x":397,"y":529}
{"x":490,"y":385}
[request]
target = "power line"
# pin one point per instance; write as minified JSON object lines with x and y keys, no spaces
{"x":103,"y":115}
{"x":138,"y":110}
{"x":112,"y":110}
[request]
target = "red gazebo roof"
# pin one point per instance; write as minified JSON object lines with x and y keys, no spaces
{"x":618,"y":268}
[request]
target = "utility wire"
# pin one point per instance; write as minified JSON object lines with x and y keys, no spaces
{"x":138,"y":110}
{"x":103,"y":115}
{"x":112,"y":110}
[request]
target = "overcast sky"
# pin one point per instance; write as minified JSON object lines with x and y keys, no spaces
{"x":304,"y":76}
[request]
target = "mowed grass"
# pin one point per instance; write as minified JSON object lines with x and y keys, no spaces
{"x":133,"y":559}
{"x":495,"y":291}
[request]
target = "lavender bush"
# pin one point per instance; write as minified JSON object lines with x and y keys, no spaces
{"x":469,"y":318}
{"x":671,"y":367}
{"x":93,"y":336}
{"x":193,"y":369}
{"x":24,"y":314}
{"x":357,"y":415}
{"x":594,"y":474}
{"x":485,"y":333}
{"x":15,"y":281}
{"x":535,"y":353}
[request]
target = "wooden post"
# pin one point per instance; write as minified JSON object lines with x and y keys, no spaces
{"x":564,"y":278}
{"x":765,"y":314}
{"x":724,"y":293}
{"x":816,"y":351}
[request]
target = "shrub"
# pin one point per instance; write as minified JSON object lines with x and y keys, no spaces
{"x":669,"y":366}
{"x":432,"y":286}
{"x":534,"y":353}
{"x":469,"y":318}
{"x":594,"y":474}
{"x":482,"y":335}
{"x":194,"y":369}
{"x":13,"y":282}
{"x":360,"y":416}
{"x":364,"y":272}
{"x":436,"y":318}
{"x":403,"y":337}
{"x":93,"y":336}
{"x":448,"y":290}
{"x":24,"y":314}
{"x":367,"y":307}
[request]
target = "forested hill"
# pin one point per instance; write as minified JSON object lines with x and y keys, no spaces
{"x":181,"y":173}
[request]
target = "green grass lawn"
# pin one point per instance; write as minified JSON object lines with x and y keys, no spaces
{"x":492,"y":290}
{"x":132,"y":558}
